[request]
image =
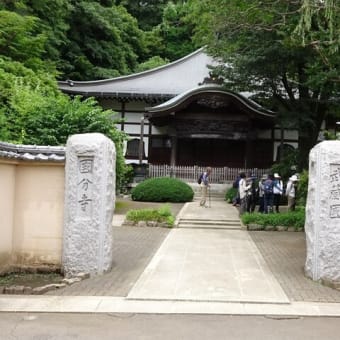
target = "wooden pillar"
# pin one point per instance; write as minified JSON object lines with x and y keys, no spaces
{"x":122,"y":113}
{"x":173,"y":159}
{"x":141,"y":141}
{"x":249,"y":147}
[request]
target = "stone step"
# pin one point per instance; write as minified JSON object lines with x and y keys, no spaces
{"x":209,"y":224}
{"x":206,"y":221}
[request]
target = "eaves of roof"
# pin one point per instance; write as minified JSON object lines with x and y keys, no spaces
{"x":32,"y":152}
{"x":177,"y":101}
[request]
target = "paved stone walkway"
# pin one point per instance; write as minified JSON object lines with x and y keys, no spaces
{"x":285,"y":254}
{"x":134,"y":248}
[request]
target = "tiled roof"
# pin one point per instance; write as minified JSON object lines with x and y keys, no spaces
{"x":160,"y":83}
{"x":32,"y":152}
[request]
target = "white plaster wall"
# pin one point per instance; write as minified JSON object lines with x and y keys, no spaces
{"x":135,"y":129}
{"x":267,"y":134}
{"x":159,"y":130}
{"x":7,"y":185}
{"x":39,"y":206}
{"x":291,"y":134}
{"x":136,"y":106}
{"x":133,"y":117}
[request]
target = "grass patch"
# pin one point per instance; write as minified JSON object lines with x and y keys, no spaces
{"x":163,"y":214}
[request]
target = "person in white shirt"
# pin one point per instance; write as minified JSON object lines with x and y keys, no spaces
{"x":243,"y":191}
{"x":204,"y":187}
{"x":291,"y":192}
{"x":277,"y":191}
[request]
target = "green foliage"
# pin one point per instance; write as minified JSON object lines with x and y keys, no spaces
{"x":151,"y":63}
{"x":257,"y":42}
{"x":162,"y":189}
{"x":288,"y":219}
{"x":302,"y":189}
{"x":103,"y":41}
{"x":126,"y":177}
{"x":33,"y":111}
{"x":163,"y":214}
{"x":176,"y":30}
{"x":148,"y":13}
{"x":230,"y":194}
{"x":287,"y":167}
{"x":21,"y":41}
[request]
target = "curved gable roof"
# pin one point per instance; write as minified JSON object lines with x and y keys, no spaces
{"x":177,"y":103}
{"x":168,"y":80}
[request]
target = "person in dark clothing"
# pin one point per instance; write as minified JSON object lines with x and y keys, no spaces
{"x":236,"y":198}
{"x":261,"y":193}
{"x":277,"y":191}
{"x":252,"y":194}
{"x":268,"y":195}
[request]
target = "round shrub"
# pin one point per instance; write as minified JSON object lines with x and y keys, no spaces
{"x":162,"y":189}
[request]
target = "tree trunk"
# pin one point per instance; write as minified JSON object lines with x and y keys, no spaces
{"x":308,"y":137}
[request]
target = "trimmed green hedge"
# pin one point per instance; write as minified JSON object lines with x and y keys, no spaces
{"x":288,"y":219}
{"x":162,"y":189}
{"x":163,"y":214}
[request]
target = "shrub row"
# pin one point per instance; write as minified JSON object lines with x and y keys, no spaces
{"x":294,"y":219}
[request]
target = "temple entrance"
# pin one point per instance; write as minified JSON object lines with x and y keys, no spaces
{"x":213,"y":152}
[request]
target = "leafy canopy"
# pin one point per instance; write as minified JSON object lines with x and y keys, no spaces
{"x":265,"y":53}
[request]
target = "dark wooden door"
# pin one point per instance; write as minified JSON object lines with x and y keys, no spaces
{"x":211,"y":152}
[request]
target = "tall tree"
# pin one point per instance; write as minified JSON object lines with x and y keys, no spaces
{"x":103,"y":42}
{"x":32,"y":108}
{"x":147,"y":12}
{"x":176,"y":30}
{"x":257,"y":41}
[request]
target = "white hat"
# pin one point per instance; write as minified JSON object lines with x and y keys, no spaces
{"x":276,"y":175}
{"x":294,"y":178}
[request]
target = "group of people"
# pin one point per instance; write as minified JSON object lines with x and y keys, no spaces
{"x":267,"y":192}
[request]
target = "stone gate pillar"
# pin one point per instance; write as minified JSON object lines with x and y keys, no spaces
{"x":322,"y":224}
{"x":89,"y":204}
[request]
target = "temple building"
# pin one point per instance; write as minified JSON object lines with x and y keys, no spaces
{"x":177,"y":114}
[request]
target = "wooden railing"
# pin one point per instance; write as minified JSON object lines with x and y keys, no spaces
{"x":191,"y":173}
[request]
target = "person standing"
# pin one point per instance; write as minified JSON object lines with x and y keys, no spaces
{"x":268,"y":194}
{"x":252,"y":194}
{"x":243,"y":191}
{"x":261,"y":193}
{"x":236,"y":198}
{"x":291,"y":192}
{"x":277,"y":191}
{"x":204,"y":187}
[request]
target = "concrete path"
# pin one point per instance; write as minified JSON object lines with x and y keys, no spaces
{"x":208,"y":264}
